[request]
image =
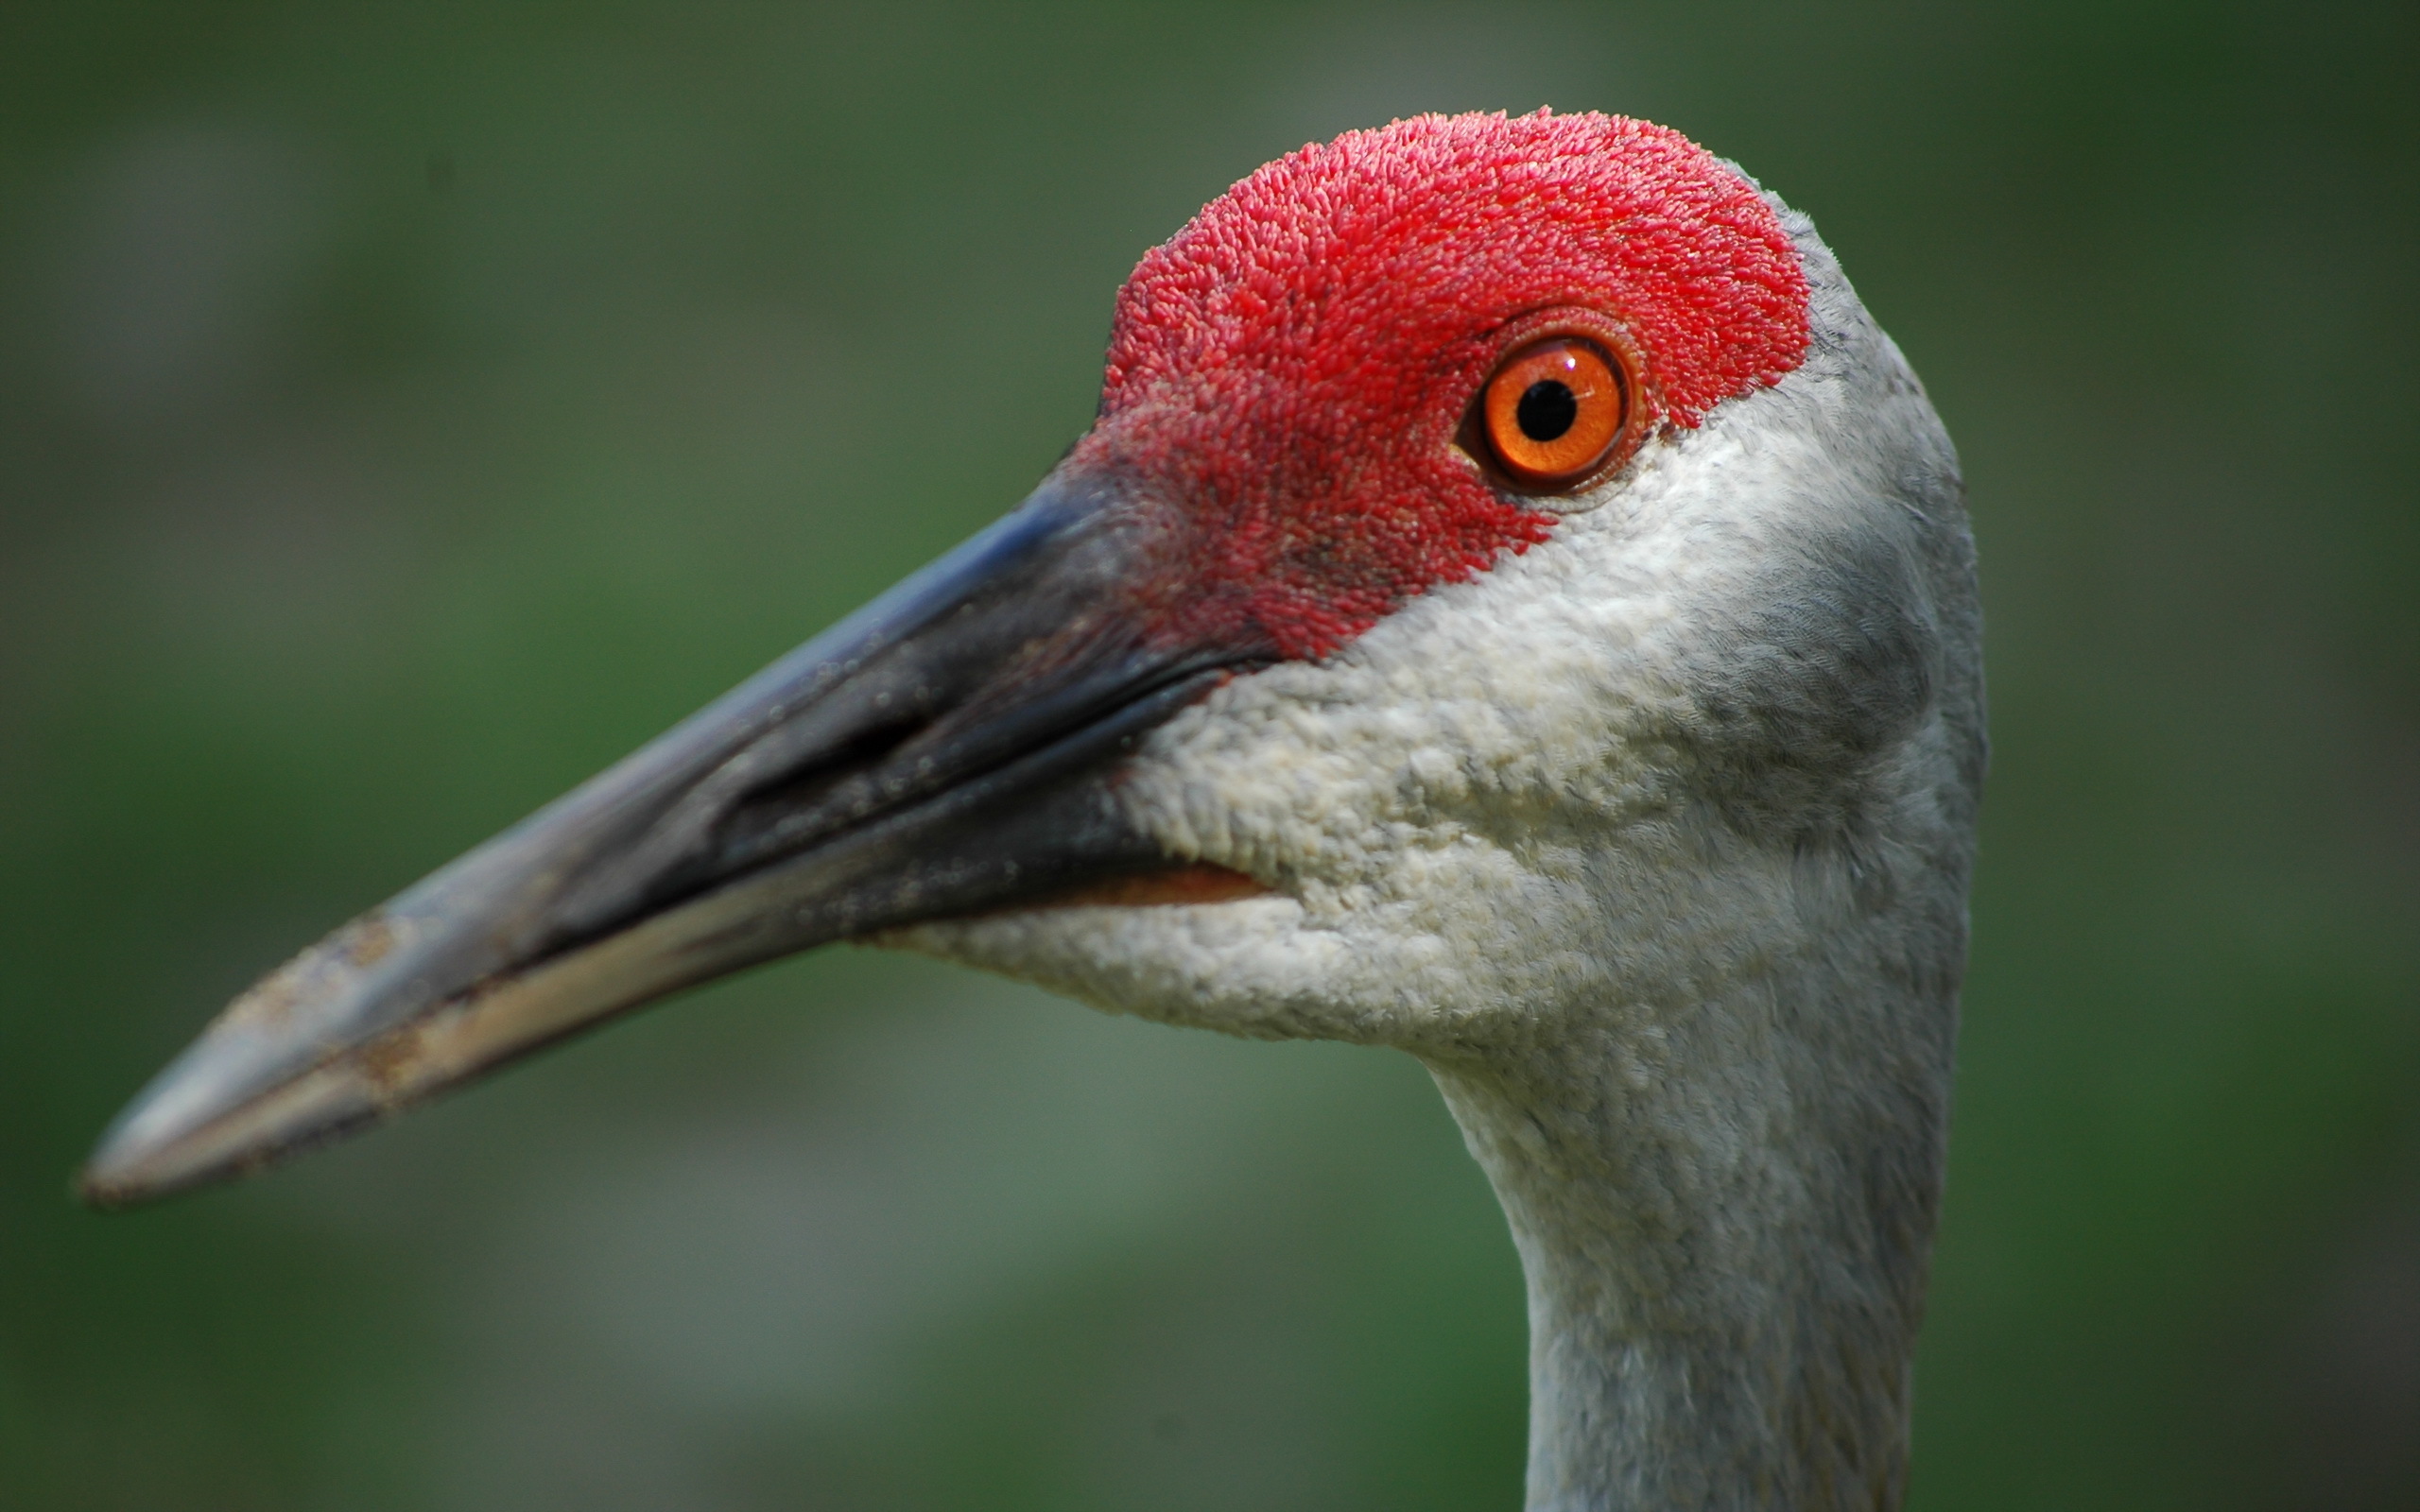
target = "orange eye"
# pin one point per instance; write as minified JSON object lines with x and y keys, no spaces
{"x":1553,"y":410}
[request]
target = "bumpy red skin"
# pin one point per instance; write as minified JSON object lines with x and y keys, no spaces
{"x":1288,"y":373}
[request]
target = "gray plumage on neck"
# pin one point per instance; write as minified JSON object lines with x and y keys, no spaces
{"x":1725,"y":1222}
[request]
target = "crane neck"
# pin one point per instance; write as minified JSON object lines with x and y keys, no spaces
{"x":1724,"y":1223}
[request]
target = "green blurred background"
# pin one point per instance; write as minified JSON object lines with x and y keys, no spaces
{"x":404,"y":411}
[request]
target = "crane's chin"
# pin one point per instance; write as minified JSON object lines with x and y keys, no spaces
{"x":1198,"y":881}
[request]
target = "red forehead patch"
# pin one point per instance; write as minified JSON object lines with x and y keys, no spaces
{"x":1291,"y":369}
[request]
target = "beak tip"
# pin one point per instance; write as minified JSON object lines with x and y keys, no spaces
{"x":122,"y":1171}
{"x":167,"y":1140}
{"x":125,"y":1168}
{"x":98,"y":1191}
{"x":110,"y":1182}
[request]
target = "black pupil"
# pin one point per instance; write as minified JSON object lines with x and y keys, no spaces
{"x":1547,"y":410}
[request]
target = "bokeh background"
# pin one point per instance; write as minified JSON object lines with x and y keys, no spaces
{"x":404,"y":411}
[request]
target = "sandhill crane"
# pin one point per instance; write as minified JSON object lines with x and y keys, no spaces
{"x":1513,"y":606}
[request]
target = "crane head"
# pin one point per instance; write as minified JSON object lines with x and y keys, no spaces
{"x":1508,"y":571}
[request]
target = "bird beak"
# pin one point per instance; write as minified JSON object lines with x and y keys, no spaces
{"x":950,"y":748}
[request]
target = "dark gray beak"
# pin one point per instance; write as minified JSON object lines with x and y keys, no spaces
{"x":948,"y":749}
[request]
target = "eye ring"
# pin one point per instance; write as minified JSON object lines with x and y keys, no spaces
{"x":1554,"y":410}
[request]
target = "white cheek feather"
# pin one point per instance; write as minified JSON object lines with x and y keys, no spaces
{"x":1436,"y":801}
{"x":1484,"y":811}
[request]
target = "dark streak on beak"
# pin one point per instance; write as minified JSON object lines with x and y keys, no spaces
{"x":948,"y":749}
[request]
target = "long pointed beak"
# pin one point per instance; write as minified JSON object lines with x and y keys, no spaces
{"x":949,"y":749}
